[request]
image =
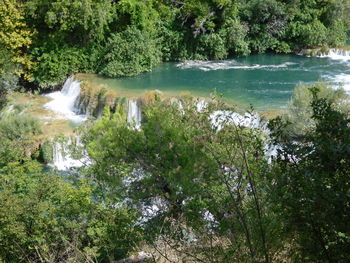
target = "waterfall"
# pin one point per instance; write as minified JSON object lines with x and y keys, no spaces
{"x":342,"y":79}
{"x":219,"y":118}
{"x":337,"y":54}
{"x":201,"y":105}
{"x":134,"y":113}
{"x":63,"y":159}
{"x":63,"y":102}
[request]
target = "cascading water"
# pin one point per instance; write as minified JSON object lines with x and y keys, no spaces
{"x":63,"y":159}
{"x":343,"y":56}
{"x":201,"y":105}
{"x":249,"y":120}
{"x":337,"y":54}
{"x":220,"y":118}
{"x":63,"y":101}
{"x":134,"y":113}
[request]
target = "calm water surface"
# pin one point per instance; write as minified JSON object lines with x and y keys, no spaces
{"x":265,"y":81}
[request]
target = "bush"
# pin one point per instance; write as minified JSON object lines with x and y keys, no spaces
{"x":8,"y":78}
{"x":310,"y":186}
{"x":308,"y":34}
{"x":173,"y":43}
{"x":299,"y":112}
{"x":337,"y":33}
{"x":51,"y":218}
{"x":17,"y":137}
{"x":235,"y":35}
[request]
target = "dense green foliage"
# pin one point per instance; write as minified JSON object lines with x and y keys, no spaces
{"x":129,"y":53}
{"x":48,"y":40}
{"x":50,"y":217}
{"x":208,"y":181}
{"x":47,"y":218}
{"x":311,"y":187}
{"x":208,"y":192}
{"x":217,"y":194}
{"x":299,"y":112}
{"x":17,"y":134}
{"x":194,"y":185}
{"x":8,"y":79}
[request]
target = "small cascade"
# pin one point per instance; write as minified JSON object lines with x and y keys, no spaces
{"x":177,"y":102}
{"x":201,"y":105}
{"x":63,"y":102}
{"x":338,"y":54}
{"x":342,"y":79}
{"x":134,"y":113}
{"x":63,"y":159}
{"x":249,"y":120}
{"x":334,"y":53}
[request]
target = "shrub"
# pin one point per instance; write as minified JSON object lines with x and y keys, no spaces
{"x":299,"y":112}
{"x":50,"y":218}
{"x":310,"y":186}
{"x":211,"y":46}
{"x":17,"y":137}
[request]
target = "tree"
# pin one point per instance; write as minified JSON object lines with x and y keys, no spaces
{"x":16,"y":36}
{"x":8,"y":78}
{"x":267,"y":21}
{"x":45,"y":217}
{"x":58,"y":19}
{"x":299,"y":112}
{"x":311,"y":184}
{"x":199,"y":188}
{"x":129,"y":53}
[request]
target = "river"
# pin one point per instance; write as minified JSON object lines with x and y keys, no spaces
{"x":264,"y":81}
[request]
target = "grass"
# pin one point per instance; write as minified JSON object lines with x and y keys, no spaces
{"x":346,"y":47}
{"x":32,"y":104}
{"x":271,"y":114}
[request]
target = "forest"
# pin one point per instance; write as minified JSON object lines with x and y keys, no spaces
{"x":42,"y":42}
{"x":190,"y":184}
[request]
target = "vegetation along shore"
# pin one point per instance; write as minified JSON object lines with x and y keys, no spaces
{"x":166,"y":131}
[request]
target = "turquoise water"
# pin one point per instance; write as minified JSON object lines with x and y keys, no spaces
{"x":265,"y":81}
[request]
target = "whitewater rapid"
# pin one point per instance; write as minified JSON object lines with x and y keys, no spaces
{"x":340,"y":56}
{"x":336,"y":56}
{"x":227,"y":64}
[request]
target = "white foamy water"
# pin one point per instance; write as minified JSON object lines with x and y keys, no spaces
{"x":343,"y":80}
{"x":201,"y":105}
{"x":227,"y":64}
{"x":220,"y":118}
{"x":63,"y":101}
{"x":62,"y":156}
{"x":134,"y":113}
{"x":337,"y":54}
